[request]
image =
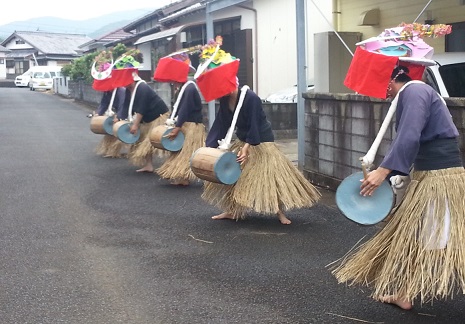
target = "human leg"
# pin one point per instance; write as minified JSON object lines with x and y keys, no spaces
{"x":148,"y":167}
{"x":283,"y":219}
{"x":224,"y":216}
{"x":398,"y":301}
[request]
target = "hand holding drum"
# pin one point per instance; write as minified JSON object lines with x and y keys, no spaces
{"x":365,"y":198}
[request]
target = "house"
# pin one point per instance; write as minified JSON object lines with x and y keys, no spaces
{"x":29,"y":48}
{"x":263,"y":34}
{"x":3,"y":52}
{"x":101,"y":43}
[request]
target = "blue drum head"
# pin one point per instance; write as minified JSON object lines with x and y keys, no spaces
{"x":125,"y":136}
{"x":227,"y":169}
{"x":172,"y":145}
{"x":108,"y":125}
{"x":367,"y":210}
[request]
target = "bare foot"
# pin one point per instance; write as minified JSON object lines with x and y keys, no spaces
{"x":179,"y":182}
{"x":145,"y":169}
{"x":223,"y":216}
{"x":402,"y":303}
{"x":283,"y":219}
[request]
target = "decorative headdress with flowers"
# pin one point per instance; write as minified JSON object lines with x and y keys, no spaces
{"x":406,"y":40}
{"x":123,"y":71}
{"x":215,"y":57}
{"x":375,"y":58}
{"x":217,"y":71}
{"x":102,"y":66}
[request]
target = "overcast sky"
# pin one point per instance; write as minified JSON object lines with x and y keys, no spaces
{"x":75,"y":10}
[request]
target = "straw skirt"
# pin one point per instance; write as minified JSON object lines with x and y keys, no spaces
{"x":143,"y":148}
{"x":420,"y":252}
{"x":269,"y":183}
{"x":177,"y":165}
{"x":110,"y":146}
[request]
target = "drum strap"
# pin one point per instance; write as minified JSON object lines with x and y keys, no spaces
{"x":226,"y":142}
{"x":172,"y":120}
{"x":368,"y":159}
{"x":109,"y":111}
{"x":133,"y":95}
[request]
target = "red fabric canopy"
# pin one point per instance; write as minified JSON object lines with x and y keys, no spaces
{"x":171,"y":70}
{"x":369,"y":73}
{"x":219,"y":81}
{"x":118,"y":78}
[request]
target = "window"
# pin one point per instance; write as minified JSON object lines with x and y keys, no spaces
{"x":454,"y":41}
{"x":19,"y":67}
{"x":19,"y":42}
{"x":453,"y":76}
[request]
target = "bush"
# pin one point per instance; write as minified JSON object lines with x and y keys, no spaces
{"x":80,"y":68}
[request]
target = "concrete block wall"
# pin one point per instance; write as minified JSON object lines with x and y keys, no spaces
{"x":340,"y":129}
{"x":283,"y":117}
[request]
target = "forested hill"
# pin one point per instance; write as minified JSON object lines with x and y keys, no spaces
{"x":93,"y":28}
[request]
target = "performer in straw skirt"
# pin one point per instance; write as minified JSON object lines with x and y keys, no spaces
{"x":110,"y":146}
{"x":188,"y":118}
{"x":150,"y":111}
{"x":420,"y":253}
{"x":269,"y":183}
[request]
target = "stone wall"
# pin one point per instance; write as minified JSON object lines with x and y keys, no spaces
{"x":340,"y":129}
{"x":283,"y":117}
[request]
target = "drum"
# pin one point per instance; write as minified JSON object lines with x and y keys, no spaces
{"x":108,"y":125}
{"x":101,"y":125}
{"x":365,"y":210}
{"x":96,"y":124}
{"x":159,"y":138}
{"x":121,"y":131}
{"x":215,"y":165}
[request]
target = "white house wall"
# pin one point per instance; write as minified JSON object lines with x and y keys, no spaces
{"x":145,"y":49}
{"x":277,"y":41}
{"x":394,"y":12}
{"x":11,"y":45}
{"x":2,"y":65}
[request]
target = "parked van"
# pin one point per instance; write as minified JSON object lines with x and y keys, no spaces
{"x":447,"y":77}
{"x":45,"y":73}
{"x":42,"y":77}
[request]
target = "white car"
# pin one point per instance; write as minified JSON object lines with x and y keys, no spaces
{"x":41,"y":80}
{"x":23,"y":79}
{"x":447,"y":77}
{"x":286,"y":95}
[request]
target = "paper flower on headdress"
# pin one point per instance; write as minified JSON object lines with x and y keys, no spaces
{"x":375,"y":58}
{"x":103,"y":63}
{"x":217,"y":71}
{"x":123,"y":72}
{"x":406,"y":40}
{"x":175,"y":67}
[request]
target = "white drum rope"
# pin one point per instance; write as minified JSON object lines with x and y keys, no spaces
{"x":397,"y":182}
{"x":133,"y":95}
{"x":171,"y":122}
{"x":109,"y":111}
{"x":225,"y":143}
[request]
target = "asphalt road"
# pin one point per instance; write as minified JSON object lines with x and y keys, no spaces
{"x":84,"y":239}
